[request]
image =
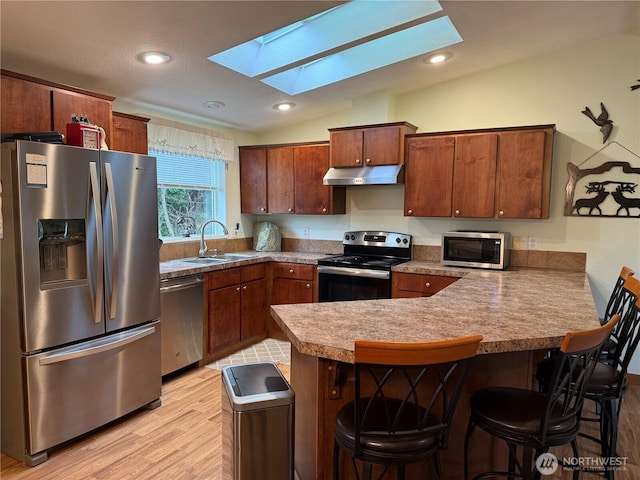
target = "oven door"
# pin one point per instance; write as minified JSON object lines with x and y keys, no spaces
{"x":337,"y":284}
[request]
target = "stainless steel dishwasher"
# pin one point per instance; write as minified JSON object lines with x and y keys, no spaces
{"x":181,"y":303}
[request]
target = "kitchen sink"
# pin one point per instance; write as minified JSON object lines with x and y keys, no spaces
{"x":225,"y":257}
{"x":234,"y":256}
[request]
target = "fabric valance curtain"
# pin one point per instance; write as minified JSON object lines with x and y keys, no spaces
{"x":182,"y":139}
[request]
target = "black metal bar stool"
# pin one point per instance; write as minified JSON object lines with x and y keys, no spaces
{"x":536,"y":421}
{"x":609,"y":380}
{"x":615,"y":305}
{"x":405,"y":397}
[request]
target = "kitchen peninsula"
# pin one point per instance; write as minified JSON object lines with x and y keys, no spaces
{"x":519,"y":312}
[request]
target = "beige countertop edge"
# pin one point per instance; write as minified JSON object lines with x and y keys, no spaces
{"x":182,"y":267}
{"x":514,"y":310}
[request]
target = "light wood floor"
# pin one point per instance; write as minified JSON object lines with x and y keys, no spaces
{"x":180,"y":440}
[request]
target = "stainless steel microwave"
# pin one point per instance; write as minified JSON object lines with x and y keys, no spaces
{"x":476,"y":249}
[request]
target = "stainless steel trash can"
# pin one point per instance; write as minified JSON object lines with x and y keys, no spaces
{"x":257,"y":423}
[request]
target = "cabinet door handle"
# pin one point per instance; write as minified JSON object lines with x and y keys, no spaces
{"x":262,"y":209}
{"x":291,"y":270}
{"x":368,"y":160}
{"x":457,"y":212}
{"x":427,"y":284}
{"x":324,"y":210}
{"x":237,"y":289}
{"x":290,"y":209}
{"x":308,"y":285}
{"x":410,"y":212}
{"x":501,"y":212}
{"x":244,"y":287}
{"x":358,"y":161}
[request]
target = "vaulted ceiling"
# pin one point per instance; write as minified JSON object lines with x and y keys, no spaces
{"x":95,"y":44}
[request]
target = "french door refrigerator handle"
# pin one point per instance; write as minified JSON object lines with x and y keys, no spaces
{"x":98,"y":346}
{"x":113,"y":301}
{"x":98,"y":294}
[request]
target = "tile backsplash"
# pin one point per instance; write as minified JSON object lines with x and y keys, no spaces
{"x":570,"y":261}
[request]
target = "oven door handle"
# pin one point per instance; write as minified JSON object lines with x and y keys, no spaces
{"x":354,"y":272}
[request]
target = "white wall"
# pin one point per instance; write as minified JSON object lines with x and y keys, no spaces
{"x":550,"y":89}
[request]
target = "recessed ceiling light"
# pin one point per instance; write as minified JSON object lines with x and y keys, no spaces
{"x":438,"y":58}
{"x":154,"y":58}
{"x":214,"y":104}
{"x":284,"y":106}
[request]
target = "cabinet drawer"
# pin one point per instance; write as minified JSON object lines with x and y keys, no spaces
{"x":293,"y":270}
{"x":424,"y":284}
{"x":253,"y":272}
{"x":223,"y":278}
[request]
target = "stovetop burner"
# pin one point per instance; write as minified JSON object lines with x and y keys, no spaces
{"x":372,"y":250}
{"x":362,"y":261}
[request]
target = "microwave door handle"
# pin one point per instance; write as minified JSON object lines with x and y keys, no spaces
{"x":116,"y":254}
{"x":97,"y":286}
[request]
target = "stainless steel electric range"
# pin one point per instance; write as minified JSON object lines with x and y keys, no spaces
{"x":363,"y":271}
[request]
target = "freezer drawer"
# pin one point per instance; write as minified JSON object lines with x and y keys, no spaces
{"x":73,"y":390}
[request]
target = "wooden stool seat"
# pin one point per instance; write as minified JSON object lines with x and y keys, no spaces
{"x":530,"y":422}
{"x":405,"y":397}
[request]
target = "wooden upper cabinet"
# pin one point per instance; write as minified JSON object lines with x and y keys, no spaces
{"x":26,"y":106}
{"x":129,"y":133}
{"x":65,"y":103}
{"x":288,"y":179}
{"x":524,"y":174}
{"x":496,"y":173}
{"x":280,"y":189}
{"x":369,"y":145}
{"x":474,"y":175}
{"x":346,"y":148}
{"x":33,"y":105}
{"x":429,"y":176}
{"x":253,"y":180}
{"x":311,"y":163}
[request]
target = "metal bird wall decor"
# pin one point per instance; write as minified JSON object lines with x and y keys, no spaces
{"x":602,"y":121}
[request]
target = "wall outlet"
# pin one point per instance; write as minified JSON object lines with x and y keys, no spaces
{"x":533,"y":243}
{"x":516,"y":242}
{"x":305,"y":232}
{"x":519,"y":242}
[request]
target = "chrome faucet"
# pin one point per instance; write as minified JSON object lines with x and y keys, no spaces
{"x":203,"y":246}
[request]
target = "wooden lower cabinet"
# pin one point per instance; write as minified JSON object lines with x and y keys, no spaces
{"x":237,"y":309}
{"x":410,"y":285}
{"x":291,"y":283}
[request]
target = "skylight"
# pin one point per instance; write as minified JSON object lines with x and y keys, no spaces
{"x":339,"y":43}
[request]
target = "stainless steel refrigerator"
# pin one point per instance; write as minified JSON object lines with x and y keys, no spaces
{"x":80,"y":293}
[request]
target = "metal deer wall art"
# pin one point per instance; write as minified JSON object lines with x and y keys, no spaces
{"x":608,"y":190}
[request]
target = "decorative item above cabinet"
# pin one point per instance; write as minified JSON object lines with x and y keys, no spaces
{"x":489,"y":173}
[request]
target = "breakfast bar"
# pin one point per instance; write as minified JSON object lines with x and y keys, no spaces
{"x":519,"y":312}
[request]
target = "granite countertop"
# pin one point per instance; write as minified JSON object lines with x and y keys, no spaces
{"x":182,"y":267}
{"x":515,"y":310}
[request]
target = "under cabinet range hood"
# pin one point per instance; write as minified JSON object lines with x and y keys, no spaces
{"x":376,"y":175}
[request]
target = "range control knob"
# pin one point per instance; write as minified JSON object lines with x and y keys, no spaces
{"x":353,"y":237}
{"x":398,"y":240}
{"x":346,"y":237}
{"x":405,"y":240}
